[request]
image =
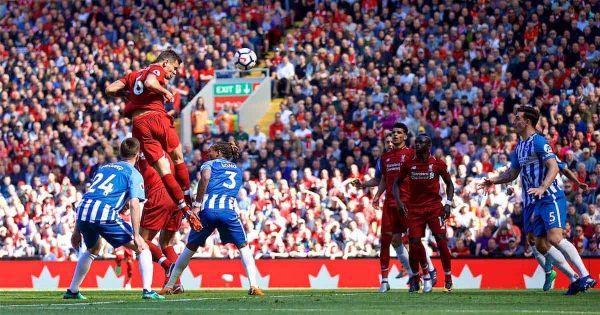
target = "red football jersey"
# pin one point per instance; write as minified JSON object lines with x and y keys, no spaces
{"x":391,"y":162}
{"x":139,"y":97}
{"x":152,"y":180}
{"x":424,"y":179}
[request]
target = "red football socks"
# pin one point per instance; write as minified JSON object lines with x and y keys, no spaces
{"x":173,"y":188}
{"x":169,"y":252}
{"x":445,"y":256}
{"x":182,"y":176}
{"x":384,"y":255}
{"x":418,"y":251}
{"x":157,"y":254}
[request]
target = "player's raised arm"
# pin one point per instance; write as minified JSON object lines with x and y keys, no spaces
{"x":116,"y":88}
{"x":152,"y":83}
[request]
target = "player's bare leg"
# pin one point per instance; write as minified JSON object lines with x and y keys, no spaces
{"x":83,"y":266}
{"x":384,"y":261}
{"x":163,"y":167}
{"x":446,"y":258}
{"x":401,"y":253}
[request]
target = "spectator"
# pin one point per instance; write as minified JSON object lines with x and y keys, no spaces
{"x":199,"y":117}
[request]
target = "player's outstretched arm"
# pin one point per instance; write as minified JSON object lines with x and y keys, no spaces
{"x":115,"y":88}
{"x":507,"y":176}
{"x":204,"y":178}
{"x":571,"y":176}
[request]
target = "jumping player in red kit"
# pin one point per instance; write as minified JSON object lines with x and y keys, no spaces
{"x":424,"y":205}
{"x":154,"y":127}
{"x":162,"y":215}
{"x":393,"y":224}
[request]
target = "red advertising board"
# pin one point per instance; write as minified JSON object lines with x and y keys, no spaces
{"x":292,"y":273}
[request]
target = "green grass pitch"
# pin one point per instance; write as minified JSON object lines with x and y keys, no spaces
{"x":305,"y":302}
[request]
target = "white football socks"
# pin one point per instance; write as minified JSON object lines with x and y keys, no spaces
{"x":538,"y":256}
{"x":561,"y":263}
{"x":83,"y":266}
{"x":571,"y":254}
{"x":428,"y":253}
{"x":402,"y":254}
{"x":181,"y":263}
{"x":146,"y":268}
{"x":249,"y":265}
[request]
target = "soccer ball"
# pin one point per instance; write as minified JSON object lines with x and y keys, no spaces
{"x":244,"y":59}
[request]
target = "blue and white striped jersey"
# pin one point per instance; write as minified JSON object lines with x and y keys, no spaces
{"x":114,"y":184}
{"x":529,"y":157}
{"x":378,"y":168}
{"x":224,"y":185}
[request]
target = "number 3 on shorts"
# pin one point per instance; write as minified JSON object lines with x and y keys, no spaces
{"x":231,"y":176}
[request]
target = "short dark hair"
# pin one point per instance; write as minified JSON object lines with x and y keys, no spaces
{"x":531,"y":113}
{"x":169,"y":55}
{"x":130,"y":147}
{"x":401,"y":126}
{"x":424,"y":136}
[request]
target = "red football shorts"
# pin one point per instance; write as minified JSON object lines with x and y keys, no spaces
{"x":391,"y":220}
{"x":418,"y":220}
{"x":160,"y":212}
{"x":156,"y":133}
{"x":123,"y":253}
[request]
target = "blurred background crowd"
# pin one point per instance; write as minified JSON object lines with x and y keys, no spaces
{"x":347,"y":71}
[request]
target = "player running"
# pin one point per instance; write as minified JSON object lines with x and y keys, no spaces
{"x":154,"y":127}
{"x":98,"y":215}
{"x":160,"y":215}
{"x":424,"y":204}
{"x":219,"y":185}
{"x":393,"y":224}
{"x":544,"y":210}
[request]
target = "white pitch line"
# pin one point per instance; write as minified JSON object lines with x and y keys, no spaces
{"x":171,"y":300}
{"x":275,"y":309}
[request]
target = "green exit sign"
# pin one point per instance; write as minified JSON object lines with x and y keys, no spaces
{"x":228,"y":89}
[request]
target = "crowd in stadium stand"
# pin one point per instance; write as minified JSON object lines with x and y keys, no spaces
{"x":347,"y":72}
